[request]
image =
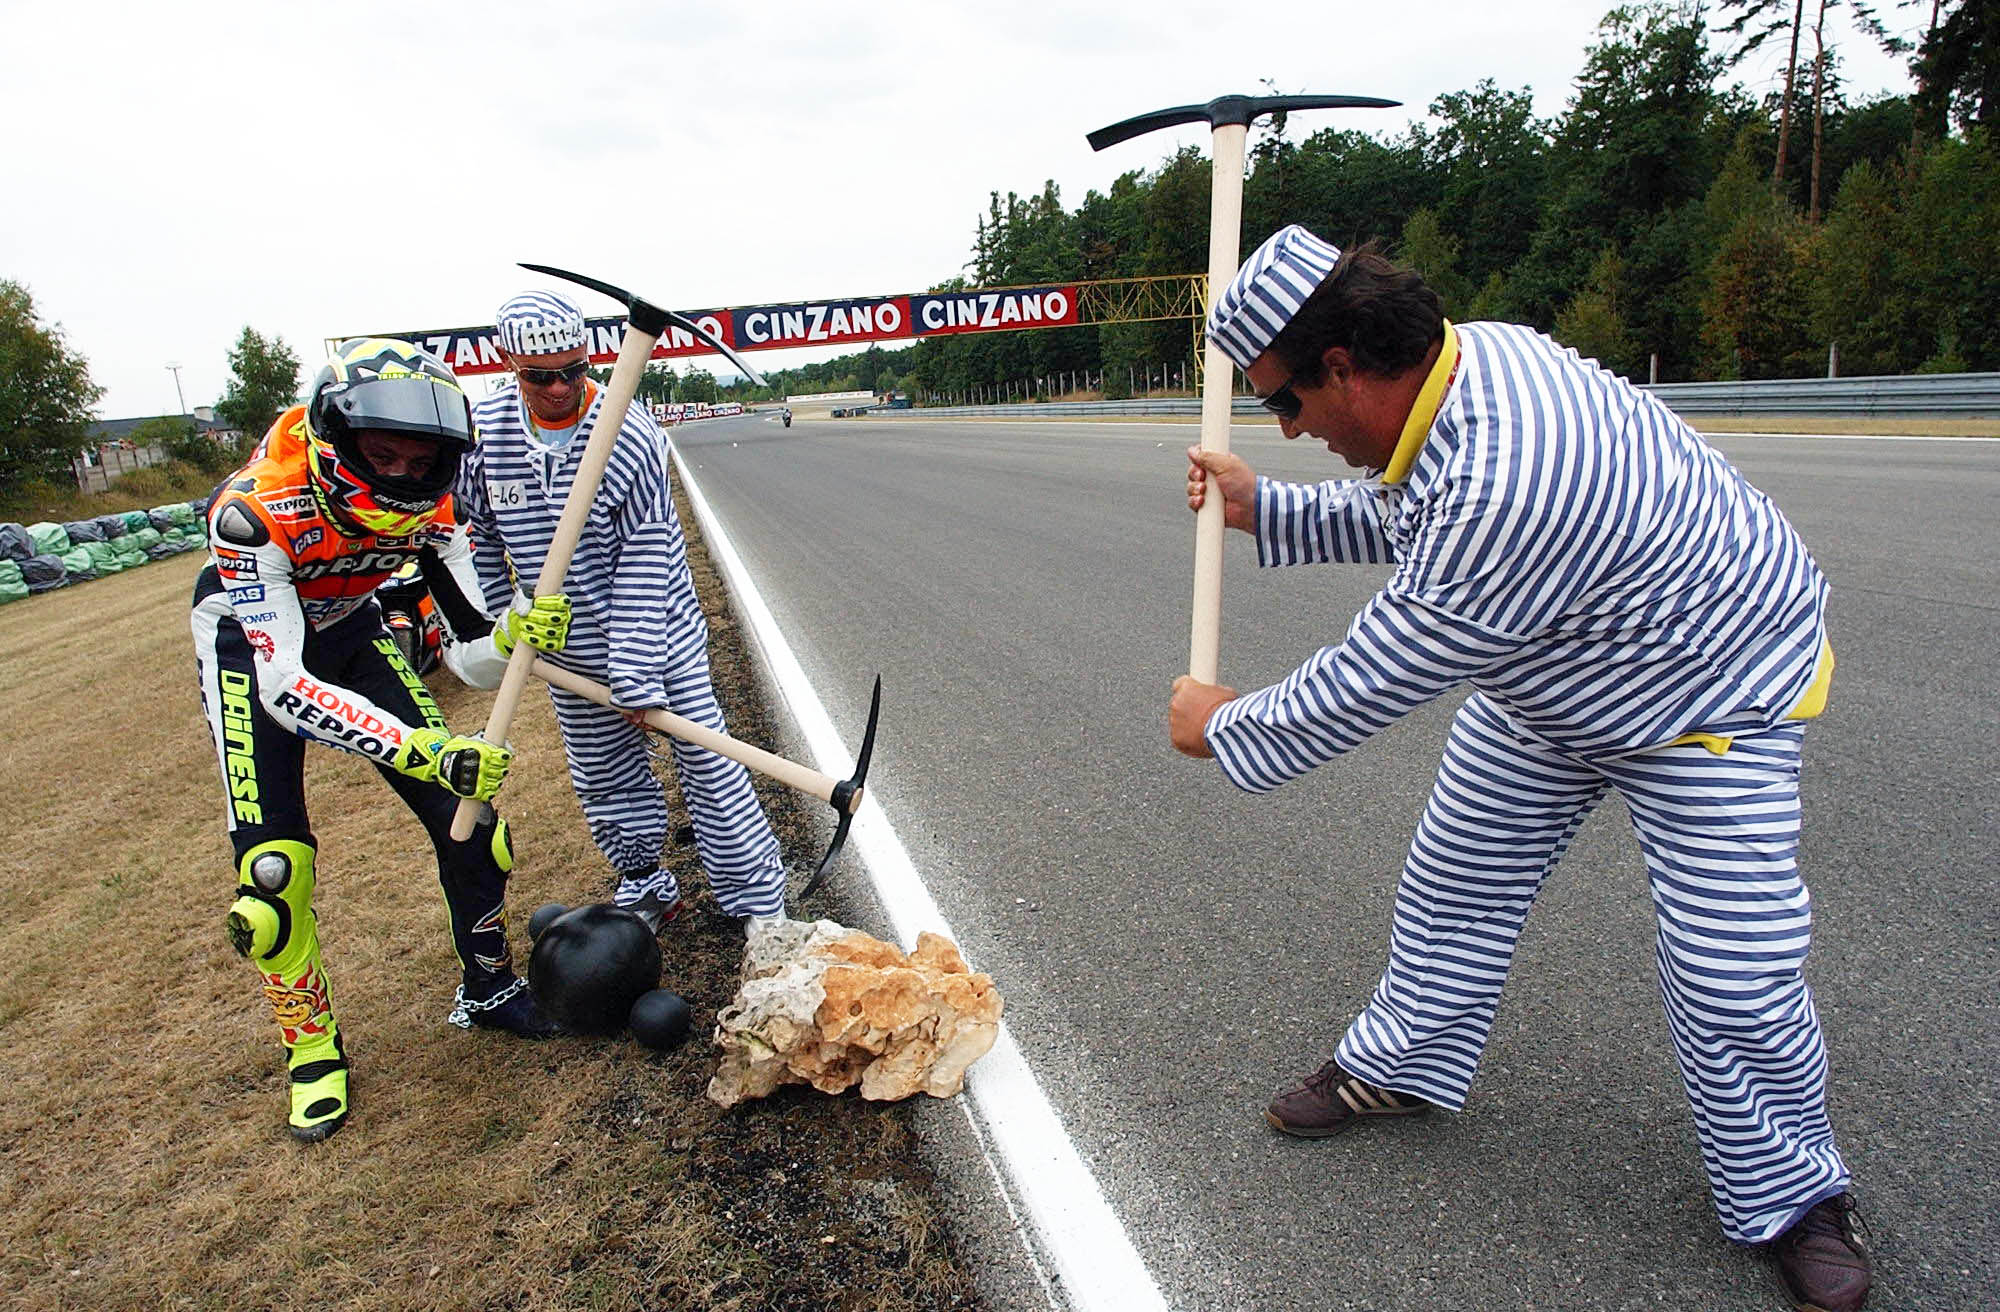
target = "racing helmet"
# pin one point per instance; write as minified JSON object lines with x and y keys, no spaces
{"x":388,"y":386}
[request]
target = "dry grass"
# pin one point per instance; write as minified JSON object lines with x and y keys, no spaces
{"x":143,"y":1156}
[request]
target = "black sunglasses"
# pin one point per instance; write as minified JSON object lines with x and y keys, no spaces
{"x":569,"y":373}
{"x":1284,"y":402}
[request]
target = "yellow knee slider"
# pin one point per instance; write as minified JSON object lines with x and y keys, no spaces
{"x":271,"y":921}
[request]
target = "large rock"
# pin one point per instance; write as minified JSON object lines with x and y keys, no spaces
{"x":829,"y":1006}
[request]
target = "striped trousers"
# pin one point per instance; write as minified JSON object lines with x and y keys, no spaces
{"x":1720,"y":838}
{"x":627,"y":812}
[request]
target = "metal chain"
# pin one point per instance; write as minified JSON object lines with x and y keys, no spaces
{"x":463,"y":1008}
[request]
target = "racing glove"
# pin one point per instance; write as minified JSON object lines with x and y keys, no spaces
{"x":543,"y":625}
{"x":469,"y":767}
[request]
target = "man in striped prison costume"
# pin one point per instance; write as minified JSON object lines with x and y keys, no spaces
{"x":637,"y":625}
{"x":1631,"y":614}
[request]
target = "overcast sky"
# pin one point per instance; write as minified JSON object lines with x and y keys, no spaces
{"x":177,"y":171}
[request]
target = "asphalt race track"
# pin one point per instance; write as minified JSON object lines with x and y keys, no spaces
{"x":1173,"y":951}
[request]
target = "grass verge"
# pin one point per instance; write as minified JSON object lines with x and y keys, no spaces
{"x":143,"y":1157}
{"x":142,"y":489}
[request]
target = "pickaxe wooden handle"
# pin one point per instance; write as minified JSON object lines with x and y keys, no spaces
{"x":787,"y":772}
{"x":644,"y":322}
{"x":1229,"y":117}
{"x":844,"y":795}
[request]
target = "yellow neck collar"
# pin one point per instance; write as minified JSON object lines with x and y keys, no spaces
{"x":1424,"y":412}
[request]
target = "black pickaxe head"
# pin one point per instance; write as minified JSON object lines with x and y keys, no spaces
{"x":848,"y":792}
{"x":1225,"y":110}
{"x":651,"y":319}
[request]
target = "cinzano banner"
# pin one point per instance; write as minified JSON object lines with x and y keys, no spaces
{"x":476,"y":350}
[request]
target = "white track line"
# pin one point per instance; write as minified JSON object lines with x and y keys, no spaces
{"x":1860,"y":437}
{"x":1095,"y":1262}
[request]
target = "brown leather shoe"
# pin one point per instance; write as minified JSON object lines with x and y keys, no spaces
{"x":1821,"y":1262}
{"x":1331,"y":1100}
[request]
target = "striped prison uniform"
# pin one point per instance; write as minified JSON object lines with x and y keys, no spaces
{"x":636,"y":626}
{"x":1630,"y":614}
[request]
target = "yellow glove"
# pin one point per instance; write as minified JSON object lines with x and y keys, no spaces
{"x":544,"y":625}
{"x":469,"y":767}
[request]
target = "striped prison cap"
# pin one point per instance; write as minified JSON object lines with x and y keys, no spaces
{"x":540,"y":323}
{"x":1267,"y":291}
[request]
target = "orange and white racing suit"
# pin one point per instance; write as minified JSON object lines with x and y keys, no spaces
{"x":290,"y":648}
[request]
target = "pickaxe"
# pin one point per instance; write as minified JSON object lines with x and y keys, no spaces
{"x":1230,"y":118}
{"x":843,"y":794}
{"x":644,"y":322}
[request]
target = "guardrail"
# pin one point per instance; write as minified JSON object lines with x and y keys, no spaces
{"x":1166,"y":405}
{"x":1919,"y":396}
{"x":1916,"y":396}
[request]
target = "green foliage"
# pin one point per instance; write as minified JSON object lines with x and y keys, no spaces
{"x":1433,"y":252}
{"x":264,"y":382}
{"x":1637,"y":141}
{"x":1944,"y":251}
{"x":182,"y":441}
{"x":1490,"y":301}
{"x":1851,"y":299}
{"x":1752,"y":312}
{"x":696,"y":385}
{"x":1493,"y":155}
{"x":657,"y":383}
{"x":1958,"y":70}
{"x":1592,"y":322}
{"x":1354,"y":187}
{"x":1665,"y":273}
{"x":46,"y":394}
{"x":1640,"y":223}
{"x":164,"y":432}
{"x":1902,"y":274}
{"x":1878,"y":131}
{"x":1947,"y":360}
{"x":1754,"y":307}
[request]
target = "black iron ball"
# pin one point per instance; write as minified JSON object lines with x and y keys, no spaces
{"x":661,"y":1019}
{"x":591,"y":964}
{"x":544,"y":916}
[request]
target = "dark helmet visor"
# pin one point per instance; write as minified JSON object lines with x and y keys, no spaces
{"x":414,"y":406}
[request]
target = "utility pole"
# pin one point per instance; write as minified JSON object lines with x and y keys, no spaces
{"x":177,"y":387}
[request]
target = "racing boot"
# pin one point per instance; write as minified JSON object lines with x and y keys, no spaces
{"x":272,"y":924}
{"x":503,"y":1003}
{"x":490,"y":995}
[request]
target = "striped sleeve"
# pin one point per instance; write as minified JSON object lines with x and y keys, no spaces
{"x":1313,"y":523}
{"x":469,"y":650}
{"x":1566,"y":545}
{"x":1504,"y":537}
{"x":1399,"y":653}
{"x":489,"y":552}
